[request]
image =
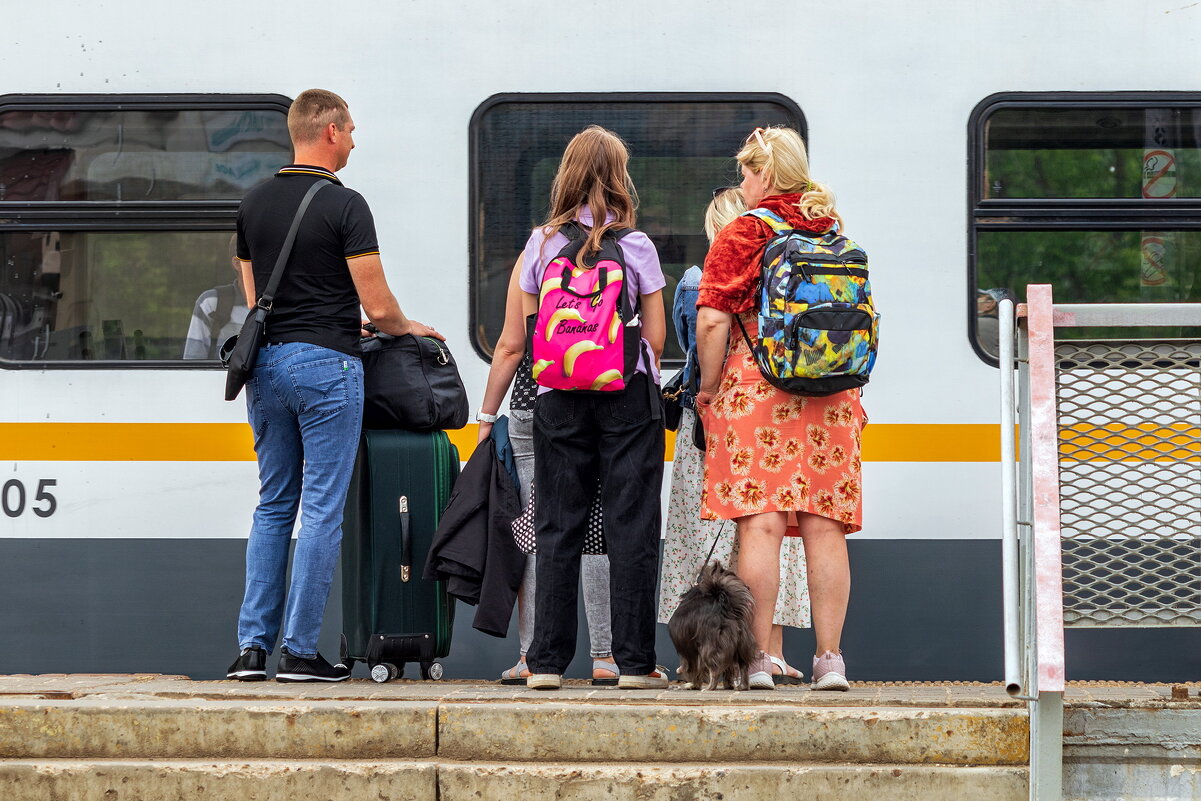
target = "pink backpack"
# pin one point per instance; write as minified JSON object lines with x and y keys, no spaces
{"x":583,"y":337}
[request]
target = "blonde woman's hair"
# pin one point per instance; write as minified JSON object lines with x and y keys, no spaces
{"x":725,"y":206}
{"x":779,"y":154}
{"x":594,"y":172}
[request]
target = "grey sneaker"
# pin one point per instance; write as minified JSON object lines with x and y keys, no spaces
{"x":829,"y":672}
{"x":760,"y":673}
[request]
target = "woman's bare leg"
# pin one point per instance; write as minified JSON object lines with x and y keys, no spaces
{"x":775,"y":643}
{"x":829,"y":573}
{"x":759,"y":539}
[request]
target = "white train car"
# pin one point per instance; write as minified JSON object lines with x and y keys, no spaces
{"x":971,"y":146}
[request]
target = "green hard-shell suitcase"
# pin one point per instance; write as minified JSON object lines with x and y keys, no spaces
{"x":390,"y":615}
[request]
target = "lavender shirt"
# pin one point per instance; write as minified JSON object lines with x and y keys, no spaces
{"x":643,"y":274}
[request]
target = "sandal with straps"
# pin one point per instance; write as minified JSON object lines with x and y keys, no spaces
{"x":787,"y":675}
{"x":601,"y":665}
{"x":516,"y":675}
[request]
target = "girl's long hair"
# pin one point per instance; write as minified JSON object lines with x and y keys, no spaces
{"x":594,"y":172}
{"x":787,"y":165}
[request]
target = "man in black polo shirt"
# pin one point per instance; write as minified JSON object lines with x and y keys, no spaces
{"x":305,"y":398}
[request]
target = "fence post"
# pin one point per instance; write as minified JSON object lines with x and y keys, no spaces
{"x":1046,"y":714}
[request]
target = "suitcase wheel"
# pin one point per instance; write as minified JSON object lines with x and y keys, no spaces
{"x":386,"y":671}
{"x":431,"y":671}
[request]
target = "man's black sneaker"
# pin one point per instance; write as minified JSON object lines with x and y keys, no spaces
{"x":251,"y":665}
{"x":293,"y":668}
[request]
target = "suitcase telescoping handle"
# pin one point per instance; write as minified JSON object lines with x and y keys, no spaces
{"x":406,"y":542}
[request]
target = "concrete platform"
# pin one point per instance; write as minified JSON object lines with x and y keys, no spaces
{"x":904,"y":694}
{"x":150,"y":736}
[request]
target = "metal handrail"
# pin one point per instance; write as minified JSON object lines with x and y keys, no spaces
{"x":1009,"y":522}
{"x":1150,"y":315}
{"x":1032,"y":581}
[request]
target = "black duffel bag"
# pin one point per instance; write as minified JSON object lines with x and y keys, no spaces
{"x":411,"y":382}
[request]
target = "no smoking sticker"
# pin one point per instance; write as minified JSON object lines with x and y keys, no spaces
{"x":1159,"y":174}
{"x":1154,"y":272}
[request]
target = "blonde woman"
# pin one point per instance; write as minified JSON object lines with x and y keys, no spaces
{"x":776,"y":463}
{"x":688,"y":540}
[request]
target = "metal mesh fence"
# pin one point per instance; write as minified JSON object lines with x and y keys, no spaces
{"x":1129,"y":422}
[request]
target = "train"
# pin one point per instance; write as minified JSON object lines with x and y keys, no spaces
{"x":974,"y":149}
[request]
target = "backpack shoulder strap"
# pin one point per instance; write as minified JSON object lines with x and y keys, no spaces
{"x":573,"y":230}
{"x":619,"y":234}
{"x":775,"y":221}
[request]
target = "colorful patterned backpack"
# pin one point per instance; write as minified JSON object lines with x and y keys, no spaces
{"x":583,"y":337}
{"x":818,"y":326}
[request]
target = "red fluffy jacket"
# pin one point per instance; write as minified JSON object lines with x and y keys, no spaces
{"x":733,"y":267}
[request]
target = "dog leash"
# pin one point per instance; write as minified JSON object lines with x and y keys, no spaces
{"x":712,"y":548}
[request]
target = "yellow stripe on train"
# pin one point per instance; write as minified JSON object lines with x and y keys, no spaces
{"x":882,"y":442}
{"x":232,"y":442}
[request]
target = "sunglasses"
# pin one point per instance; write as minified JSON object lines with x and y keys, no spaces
{"x":759,"y":138}
{"x":719,"y":191}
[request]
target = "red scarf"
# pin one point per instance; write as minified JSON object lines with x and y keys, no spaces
{"x":731,"y":276}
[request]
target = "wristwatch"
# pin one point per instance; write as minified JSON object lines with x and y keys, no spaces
{"x":480,"y":417}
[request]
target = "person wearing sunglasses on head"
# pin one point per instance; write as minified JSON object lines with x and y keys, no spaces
{"x":777,"y":463}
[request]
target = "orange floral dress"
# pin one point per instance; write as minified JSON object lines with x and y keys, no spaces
{"x":768,"y":450}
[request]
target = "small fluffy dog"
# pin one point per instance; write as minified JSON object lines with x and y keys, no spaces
{"x":711,"y":630}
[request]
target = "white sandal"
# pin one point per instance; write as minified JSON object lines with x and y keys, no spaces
{"x":787,"y":675}
{"x":517,"y":674}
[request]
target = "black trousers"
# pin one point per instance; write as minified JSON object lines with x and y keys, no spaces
{"x":578,"y":437}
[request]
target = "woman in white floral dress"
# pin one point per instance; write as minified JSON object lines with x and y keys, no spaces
{"x":688,"y":539}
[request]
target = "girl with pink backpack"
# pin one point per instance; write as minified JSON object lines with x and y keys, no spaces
{"x":594,"y":286}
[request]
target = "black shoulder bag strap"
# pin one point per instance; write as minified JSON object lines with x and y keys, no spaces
{"x":263,"y":305}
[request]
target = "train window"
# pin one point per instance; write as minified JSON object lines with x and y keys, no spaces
{"x":116,"y":215}
{"x":681,"y":147}
{"x":116,"y":295}
{"x":138,"y":154}
{"x":1095,"y":194}
{"x":1091,"y":152}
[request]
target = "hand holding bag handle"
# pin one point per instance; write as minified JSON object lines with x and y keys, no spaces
{"x":241,"y":351}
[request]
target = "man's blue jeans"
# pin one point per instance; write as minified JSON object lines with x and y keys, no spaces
{"x":306,"y":408}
